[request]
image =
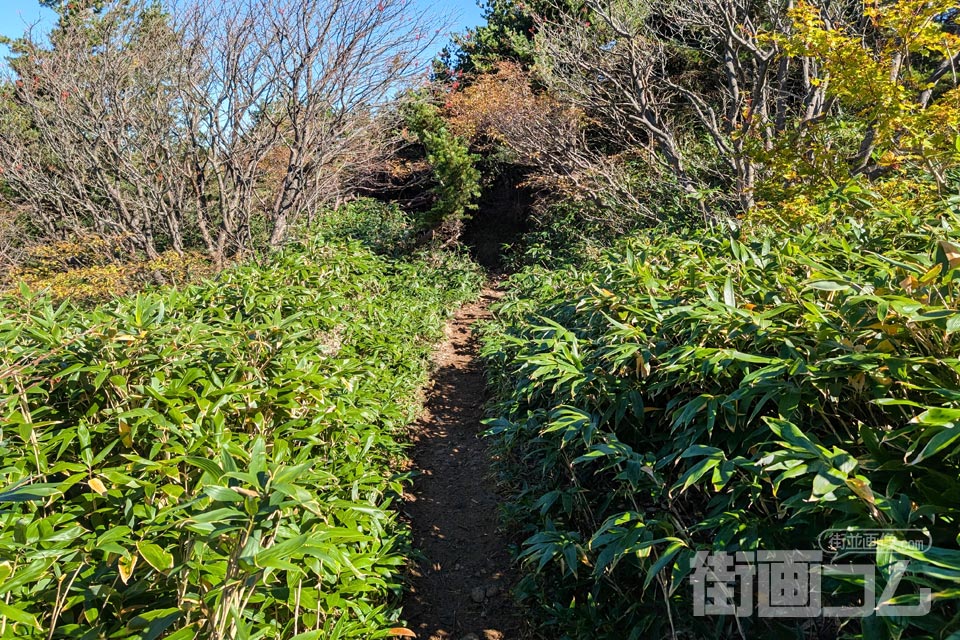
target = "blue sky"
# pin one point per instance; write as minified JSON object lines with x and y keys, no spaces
{"x":17,"y":15}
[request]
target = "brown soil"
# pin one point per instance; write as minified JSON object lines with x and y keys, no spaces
{"x":460,"y":587}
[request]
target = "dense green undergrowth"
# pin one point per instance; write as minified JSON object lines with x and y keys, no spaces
{"x":216,"y":461}
{"x":716,"y":390}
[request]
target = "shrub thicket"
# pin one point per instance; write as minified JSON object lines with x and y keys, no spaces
{"x":716,"y":390}
{"x":217,"y":461}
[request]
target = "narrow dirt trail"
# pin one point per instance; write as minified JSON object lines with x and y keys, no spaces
{"x":459,"y":589}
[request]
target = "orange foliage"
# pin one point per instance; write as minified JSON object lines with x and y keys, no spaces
{"x":501,"y":107}
{"x":542,"y":133}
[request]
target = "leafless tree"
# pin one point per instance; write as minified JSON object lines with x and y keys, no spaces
{"x":631,"y":69}
{"x":12,"y":242}
{"x":665,"y":75}
{"x":89,"y":126}
{"x":299,"y":85}
{"x":201,"y":118}
{"x":759,"y":92}
{"x":614,"y":73}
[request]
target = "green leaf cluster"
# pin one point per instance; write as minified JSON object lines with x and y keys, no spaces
{"x":456,"y":178}
{"x":215,"y":461}
{"x":724,"y":390}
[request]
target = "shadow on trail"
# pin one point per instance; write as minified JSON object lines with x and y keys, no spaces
{"x":460,"y":586}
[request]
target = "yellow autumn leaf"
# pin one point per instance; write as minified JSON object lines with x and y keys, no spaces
{"x":643,"y":367}
{"x":888,"y":329}
{"x":125,"y":437}
{"x":858,"y":382}
{"x":126,"y":565}
{"x":931,"y":274}
{"x":97,"y":485}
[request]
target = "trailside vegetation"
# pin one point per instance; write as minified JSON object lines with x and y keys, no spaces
{"x":715,"y":109}
{"x":734,"y":323}
{"x":732,"y":391}
{"x":218,"y":461}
